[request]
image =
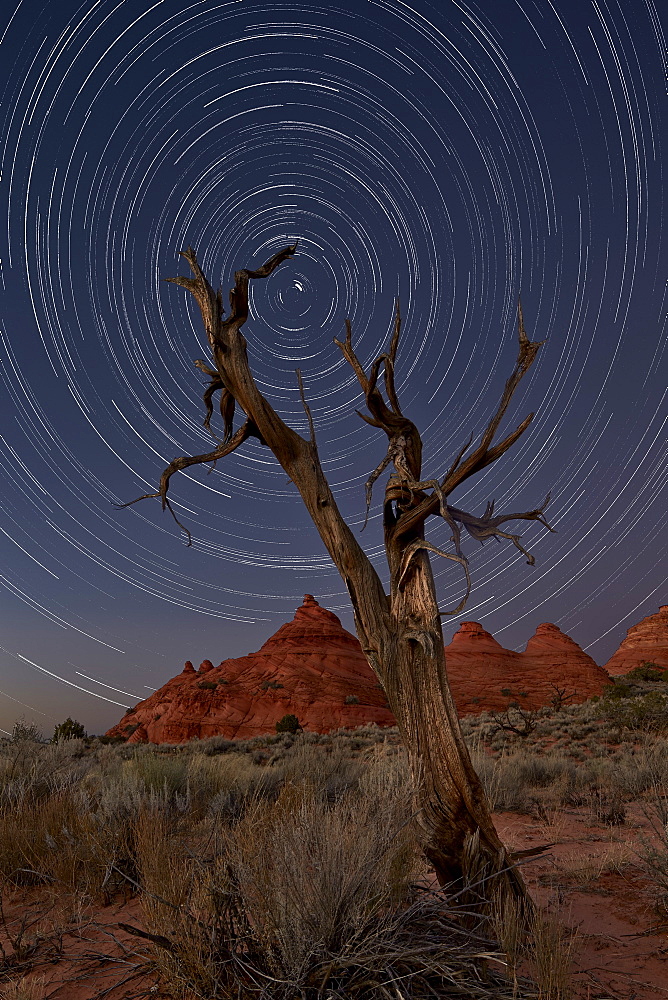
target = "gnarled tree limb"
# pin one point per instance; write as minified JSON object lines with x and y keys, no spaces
{"x":405,"y":489}
{"x":483,"y":455}
{"x":185,"y":461}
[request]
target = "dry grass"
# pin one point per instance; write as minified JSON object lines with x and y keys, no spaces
{"x":311,"y":892}
{"x":282,"y":867}
{"x":285,"y":866}
{"x":550,"y":956}
{"x":543,"y":946}
{"x":295,"y":883}
{"x":23,"y":989}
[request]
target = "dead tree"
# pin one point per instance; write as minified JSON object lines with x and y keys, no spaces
{"x":400,"y":632}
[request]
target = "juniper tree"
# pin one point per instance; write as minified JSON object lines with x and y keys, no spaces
{"x":400,"y":631}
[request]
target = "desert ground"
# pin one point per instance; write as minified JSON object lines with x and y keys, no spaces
{"x":286,"y":865}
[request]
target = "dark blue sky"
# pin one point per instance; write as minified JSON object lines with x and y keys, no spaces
{"x":453,"y":153}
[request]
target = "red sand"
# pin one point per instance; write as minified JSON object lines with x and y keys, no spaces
{"x":591,"y":879}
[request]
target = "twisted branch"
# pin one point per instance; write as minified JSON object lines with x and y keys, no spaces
{"x":227,"y":401}
{"x":185,"y":461}
{"x":484,"y":454}
{"x":218,"y":331}
{"x":405,"y":444}
{"x":405,"y":489}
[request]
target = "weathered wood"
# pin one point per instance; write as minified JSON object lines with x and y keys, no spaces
{"x":400,"y":633}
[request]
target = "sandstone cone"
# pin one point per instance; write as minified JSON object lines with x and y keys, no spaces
{"x":646,"y":642}
{"x":312,"y":668}
{"x":485,"y":676}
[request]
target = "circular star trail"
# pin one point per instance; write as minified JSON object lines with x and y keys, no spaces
{"x":452,"y":154}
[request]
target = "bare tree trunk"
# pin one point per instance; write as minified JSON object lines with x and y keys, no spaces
{"x":401,"y":632}
{"x":458,"y":833}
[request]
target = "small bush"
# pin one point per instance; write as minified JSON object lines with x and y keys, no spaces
{"x":617,"y":691}
{"x":159,"y":773}
{"x":208,"y":685}
{"x":273,"y":685}
{"x":352,"y":699}
{"x":26,"y":732}
{"x":647,"y":672}
{"x":70,"y":729}
{"x":288,"y":724}
{"x":647,"y":712}
{"x":215,"y":745}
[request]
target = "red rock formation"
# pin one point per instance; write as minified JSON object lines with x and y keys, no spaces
{"x":645,"y":642}
{"x":485,"y":676}
{"x":312,"y":668}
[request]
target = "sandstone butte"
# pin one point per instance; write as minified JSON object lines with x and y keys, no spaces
{"x":314,"y":669}
{"x":646,"y":642}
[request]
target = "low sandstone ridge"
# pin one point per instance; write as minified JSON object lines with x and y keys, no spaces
{"x":314,"y":669}
{"x":646,"y":642}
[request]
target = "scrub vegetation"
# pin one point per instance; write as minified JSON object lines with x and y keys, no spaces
{"x":288,"y":865}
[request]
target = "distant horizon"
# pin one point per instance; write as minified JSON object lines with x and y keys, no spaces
{"x":454,"y":155}
{"x":250,"y":652}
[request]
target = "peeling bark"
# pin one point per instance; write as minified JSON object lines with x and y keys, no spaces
{"x":401,"y":633}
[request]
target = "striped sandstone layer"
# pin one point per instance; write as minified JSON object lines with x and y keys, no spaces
{"x":646,"y":642}
{"x":312,"y":668}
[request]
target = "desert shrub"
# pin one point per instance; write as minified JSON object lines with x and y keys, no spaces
{"x":511,"y":780}
{"x":647,"y":671}
{"x":648,"y":712}
{"x":617,"y":691}
{"x":608,"y":807}
{"x":299,"y":875}
{"x":157,"y":772}
{"x":288,"y":724}
{"x":330,"y":771}
{"x":31,"y":772}
{"x":207,"y":685}
{"x":351,"y":699}
{"x":70,"y":729}
{"x":53,"y":843}
{"x":645,"y":771}
{"x":270,"y":686}
{"x":305,"y":895}
{"x":654,"y":848}
{"x":26,"y":732}
{"x":515,"y":720}
{"x":216,"y":745}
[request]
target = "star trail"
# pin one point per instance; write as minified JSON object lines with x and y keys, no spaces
{"x":451,"y":153}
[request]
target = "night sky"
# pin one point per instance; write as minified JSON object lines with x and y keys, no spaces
{"x":453,"y":153}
